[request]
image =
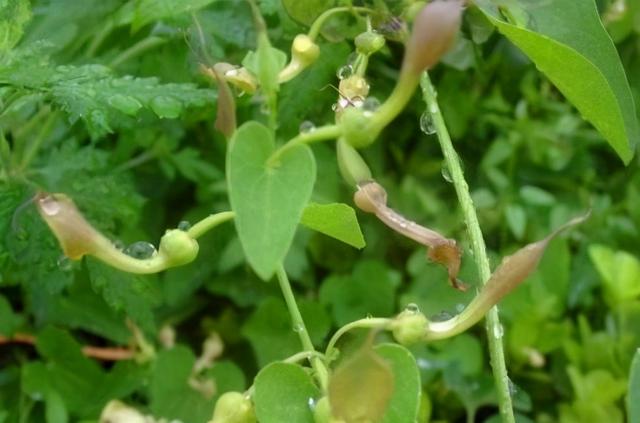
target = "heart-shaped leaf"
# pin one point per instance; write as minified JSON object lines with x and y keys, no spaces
{"x":268,"y":198}
{"x":568,"y":43}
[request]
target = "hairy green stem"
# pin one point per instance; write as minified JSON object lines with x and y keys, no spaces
{"x":368,"y":323}
{"x":319,"y":134}
{"x":494,"y":328}
{"x":300,"y":328}
{"x":209,"y":222}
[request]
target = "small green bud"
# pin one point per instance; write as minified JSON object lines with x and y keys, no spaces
{"x":304,"y":50}
{"x":356,"y":128}
{"x":409,"y":327}
{"x":369,"y":42}
{"x":178,"y":247}
{"x":233,"y":407}
{"x":352,"y":166}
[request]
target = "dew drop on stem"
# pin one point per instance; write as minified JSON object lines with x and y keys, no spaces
{"x":498,"y":331}
{"x":307,"y":126}
{"x":344,"y":72}
{"x":426,"y":123}
{"x":444,"y":171}
{"x":184,"y":225}
{"x":140,"y":250}
{"x":298,"y":328}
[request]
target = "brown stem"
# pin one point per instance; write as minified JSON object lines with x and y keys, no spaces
{"x":100,"y":353}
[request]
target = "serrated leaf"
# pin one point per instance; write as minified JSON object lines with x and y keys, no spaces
{"x":633,"y":394}
{"x":268,"y":199}
{"x":14,"y":14}
{"x":336,"y":220}
{"x":134,"y":294}
{"x":283,"y":392}
{"x":567,"y":42}
{"x":147,"y":11}
{"x":404,"y":403}
{"x":100,"y":98}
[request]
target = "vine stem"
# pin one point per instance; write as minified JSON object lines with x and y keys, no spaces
{"x":493,"y":326}
{"x":301,"y":329}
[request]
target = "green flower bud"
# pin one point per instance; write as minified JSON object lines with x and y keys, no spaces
{"x":409,"y":327}
{"x":356,"y":128}
{"x":304,"y":50}
{"x":369,"y":42}
{"x":178,"y":247}
{"x":352,"y":167}
{"x":233,"y":407}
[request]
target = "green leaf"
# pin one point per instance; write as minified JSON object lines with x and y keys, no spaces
{"x":283,"y":393}
{"x":633,"y":395}
{"x":136,"y":295}
{"x":307,"y":11}
{"x":14,"y":14}
{"x":619,"y":271}
{"x":336,"y":220}
{"x":405,"y":399}
{"x":369,"y":291}
{"x":567,"y":42}
{"x":270,"y":331}
{"x":516,"y":219}
{"x":268,"y":199}
{"x":147,"y":11}
{"x":9,"y":320}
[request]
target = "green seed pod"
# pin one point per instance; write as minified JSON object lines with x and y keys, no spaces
{"x":352,"y":166}
{"x":369,"y":42}
{"x":409,"y":327}
{"x":356,"y":128}
{"x":233,"y":407}
{"x":178,"y":247}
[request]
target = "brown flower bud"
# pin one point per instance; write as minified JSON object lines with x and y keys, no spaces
{"x":434,"y":31}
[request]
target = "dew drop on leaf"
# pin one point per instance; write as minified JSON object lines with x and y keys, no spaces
{"x":307,"y":126}
{"x":140,"y":250}
{"x":426,"y":123}
{"x":344,"y":72}
{"x":124,"y":103}
{"x":64,"y":264}
{"x":166,"y":107}
{"x":184,"y":225}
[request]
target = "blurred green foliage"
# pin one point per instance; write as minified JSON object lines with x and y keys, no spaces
{"x":104,"y":101}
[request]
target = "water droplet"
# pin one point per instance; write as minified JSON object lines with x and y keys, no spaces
{"x":124,"y":103}
{"x":442,"y":316}
{"x":65,"y":264}
{"x":513,"y":389}
{"x":298,"y":328}
{"x":118,"y":245}
{"x":140,"y":250}
{"x":307,"y":126}
{"x":498,"y":331}
{"x":444,"y":171}
{"x":49,"y":205}
{"x":184,"y":225}
{"x":370,"y":104}
{"x":412,"y":308}
{"x":311,"y":402}
{"x":166,"y":107}
{"x":426,"y":123}
{"x":344,"y":72}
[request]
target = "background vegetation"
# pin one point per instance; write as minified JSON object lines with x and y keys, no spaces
{"x":105,"y":102}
